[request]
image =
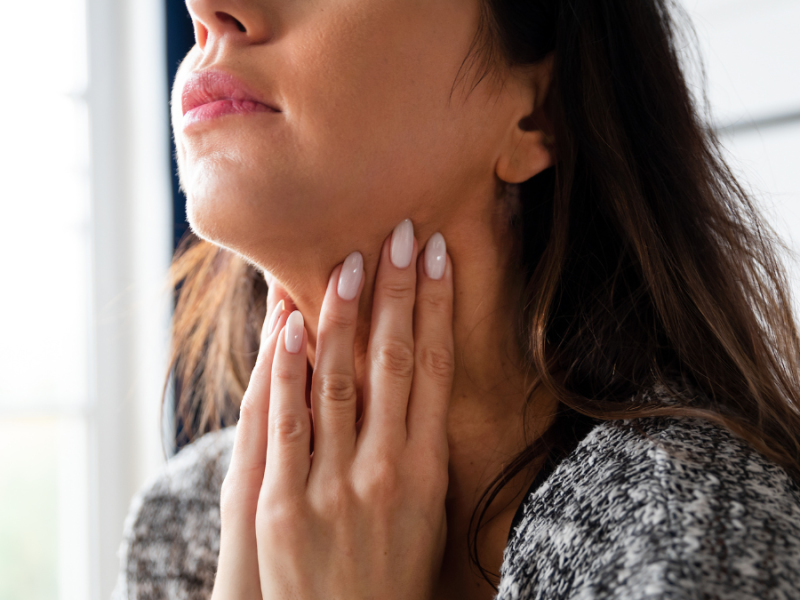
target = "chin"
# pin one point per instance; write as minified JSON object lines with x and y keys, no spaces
{"x":234,"y":180}
{"x":259,"y":213}
{"x":223,"y":205}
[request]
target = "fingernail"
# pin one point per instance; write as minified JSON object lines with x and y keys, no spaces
{"x":350,"y":277}
{"x":294,"y":332}
{"x":402,"y":244}
{"x":435,"y":256}
{"x":275,"y":316}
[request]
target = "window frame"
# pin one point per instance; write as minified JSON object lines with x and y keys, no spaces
{"x":131,"y":249}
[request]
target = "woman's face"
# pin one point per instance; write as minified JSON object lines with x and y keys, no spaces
{"x":376,"y":119}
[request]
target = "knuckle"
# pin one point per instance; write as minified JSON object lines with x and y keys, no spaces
{"x":433,"y":483}
{"x":336,"y":387}
{"x":383,"y":484}
{"x":337,"y":319}
{"x":288,"y":427}
{"x":338,"y":497}
{"x":437,"y":303}
{"x":230,"y":486}
{"x":287,"y":376}
{"x":397,"y":290}
{"x":278,"y":517}
{"x":228,"y":496}
{"x":396,"y":358}
{"x":238,"y":497}
{"x":437,"y":360}
{"x":250,"y":408}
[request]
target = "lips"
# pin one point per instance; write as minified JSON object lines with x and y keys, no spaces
{"x":212,"y":94}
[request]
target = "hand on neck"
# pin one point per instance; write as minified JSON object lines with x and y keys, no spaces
{"x":481,"y":247}
{"x":490,"y":387}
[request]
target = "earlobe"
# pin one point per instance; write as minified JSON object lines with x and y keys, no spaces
{"x":529,"y":154}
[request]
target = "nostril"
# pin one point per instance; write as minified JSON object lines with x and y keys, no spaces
{"x":226,"y":18}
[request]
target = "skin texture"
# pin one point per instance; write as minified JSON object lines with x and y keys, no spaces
{"x":379,"y":121}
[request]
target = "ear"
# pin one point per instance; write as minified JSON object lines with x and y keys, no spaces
{"x":528,"y":148}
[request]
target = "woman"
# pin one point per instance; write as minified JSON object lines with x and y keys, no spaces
{"x":523,"y":330}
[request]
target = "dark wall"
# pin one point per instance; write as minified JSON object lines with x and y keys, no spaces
{"x":180,"y":38}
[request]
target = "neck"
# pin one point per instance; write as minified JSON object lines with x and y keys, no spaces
{"x":485,"y":428}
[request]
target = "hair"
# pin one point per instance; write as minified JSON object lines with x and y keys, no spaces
{"x":644,"y":262}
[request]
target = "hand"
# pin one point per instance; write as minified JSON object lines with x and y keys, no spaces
{"x":237,"y":569}
{"x":364,"y":516}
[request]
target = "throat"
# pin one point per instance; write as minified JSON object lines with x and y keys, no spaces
{"x":460,"y":578}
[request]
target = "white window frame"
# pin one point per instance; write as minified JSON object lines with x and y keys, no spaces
{"x":131,"y":237}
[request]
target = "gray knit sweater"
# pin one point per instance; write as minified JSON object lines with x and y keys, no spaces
{"x":655,"y":508}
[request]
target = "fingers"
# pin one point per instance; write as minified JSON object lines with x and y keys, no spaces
{"x":249,"y":456}
{"x":288,"y":458}
{"x":390,"y":353}
{"x":333,"y":391}
{"x":237,"y":572}
{"x":409,"y":368}
{"x":433,"y":344}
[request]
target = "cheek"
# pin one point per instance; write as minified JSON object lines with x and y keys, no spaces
{"x":374,"y":103}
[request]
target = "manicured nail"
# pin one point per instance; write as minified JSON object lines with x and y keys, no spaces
{"x":435,"y":256}
{"x":275,"y":316}
{"x":294,"y":332}
{"x":350,"y":277}
{"x":402,"y":244}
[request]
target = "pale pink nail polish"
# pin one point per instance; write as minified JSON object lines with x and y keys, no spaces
{"x":294,"y":332}
{"x":275,"y":316}
{"x":435,"y":256}
{"x":402,"y":244}
{"x":350,"y":276}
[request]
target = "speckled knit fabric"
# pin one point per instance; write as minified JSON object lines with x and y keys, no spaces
{"x":656,"y":508}
{"x":171,"y":538}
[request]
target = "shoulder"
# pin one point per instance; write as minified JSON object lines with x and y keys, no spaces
{"x":171,"y":536}
{"x":660,"y":507}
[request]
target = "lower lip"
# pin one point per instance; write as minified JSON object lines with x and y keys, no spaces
{"x":220,"y":108}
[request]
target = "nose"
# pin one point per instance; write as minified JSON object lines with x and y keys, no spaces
{"x":238,"y":21}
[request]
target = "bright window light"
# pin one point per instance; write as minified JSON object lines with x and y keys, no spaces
{"x":45,"y":305}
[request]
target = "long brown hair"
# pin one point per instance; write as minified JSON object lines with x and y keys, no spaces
{"x":645,"y":262}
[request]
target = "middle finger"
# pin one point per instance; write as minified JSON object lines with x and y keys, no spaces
{"x":333,"y":387}
{"x":390,"y":365}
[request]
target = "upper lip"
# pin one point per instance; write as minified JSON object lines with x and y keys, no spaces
{"x":208,"y":86}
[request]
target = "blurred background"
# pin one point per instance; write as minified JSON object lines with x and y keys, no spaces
{"x":91,"y":214}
